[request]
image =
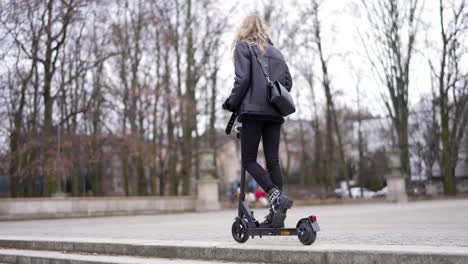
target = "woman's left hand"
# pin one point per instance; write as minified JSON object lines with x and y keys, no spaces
{"x":226,"y":105}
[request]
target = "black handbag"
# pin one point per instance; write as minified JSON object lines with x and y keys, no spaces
{"x":277,"y":94}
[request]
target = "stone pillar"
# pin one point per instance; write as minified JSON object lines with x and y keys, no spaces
{"x":434,"y":188}
{"x":207,"y":185}
{"x":396,"y":185}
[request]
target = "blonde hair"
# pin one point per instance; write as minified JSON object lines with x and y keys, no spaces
{"x":253,"y":29}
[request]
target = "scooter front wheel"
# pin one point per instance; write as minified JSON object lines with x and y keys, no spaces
{"x":306,"y":233}
{"x":239,"y":231}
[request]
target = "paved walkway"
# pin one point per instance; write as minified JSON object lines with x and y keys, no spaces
{"x":427,"y":223}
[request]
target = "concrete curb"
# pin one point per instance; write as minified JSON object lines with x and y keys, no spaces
{"x":25,"y":259}
{"x":22,"y":256}
{"x":323,"y":254}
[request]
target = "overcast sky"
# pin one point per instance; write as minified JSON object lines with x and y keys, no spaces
{"x":341,"y":23}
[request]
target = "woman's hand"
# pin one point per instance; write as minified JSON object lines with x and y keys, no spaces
{"x":226,"y":105}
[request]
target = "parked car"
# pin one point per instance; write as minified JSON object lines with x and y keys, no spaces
{"x":358,"y":192}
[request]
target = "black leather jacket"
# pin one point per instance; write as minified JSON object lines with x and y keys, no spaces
{"x":249,"y":94}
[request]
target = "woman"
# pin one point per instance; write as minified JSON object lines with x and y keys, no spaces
{"x":258,"y":117}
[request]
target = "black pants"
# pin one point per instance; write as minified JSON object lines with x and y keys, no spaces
{"x":269,"y":132}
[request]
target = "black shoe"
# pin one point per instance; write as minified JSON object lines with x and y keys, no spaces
{"x":267,"y":223}
{"x":268,"y":219}
{"x":280,"y":204}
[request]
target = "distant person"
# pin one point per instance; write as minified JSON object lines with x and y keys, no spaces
{"x":259,"y":118}
{"x":238,"y":191}
{"x":252,"y":185}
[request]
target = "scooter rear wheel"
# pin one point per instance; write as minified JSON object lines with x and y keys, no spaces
{"x":239,"y":231}
{"x":306,"y":234}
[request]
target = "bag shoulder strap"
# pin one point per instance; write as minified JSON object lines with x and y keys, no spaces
{"x":261,"y":65}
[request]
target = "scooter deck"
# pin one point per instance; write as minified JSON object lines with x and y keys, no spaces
{"x":262,"y":231}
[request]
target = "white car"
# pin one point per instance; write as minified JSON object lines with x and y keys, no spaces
{"x":356,"y":192}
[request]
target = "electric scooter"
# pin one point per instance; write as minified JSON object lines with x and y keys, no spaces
{"x":245,"y":224}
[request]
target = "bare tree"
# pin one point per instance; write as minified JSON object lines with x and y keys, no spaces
{"x":452,"y":94}
{"x":393,"y":30}
{"x":119,"y":96}
{"x":14,"y":26}
{"x":212,"y":46}
{"x":41,"y":37}
{"x":332,"y":126}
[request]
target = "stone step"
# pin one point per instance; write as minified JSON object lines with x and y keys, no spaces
{"x":256,"y":251}
{"x":22,"y":256}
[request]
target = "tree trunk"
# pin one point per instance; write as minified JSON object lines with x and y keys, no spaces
{"x":190,"y":107}
{"x":212,"y":131}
